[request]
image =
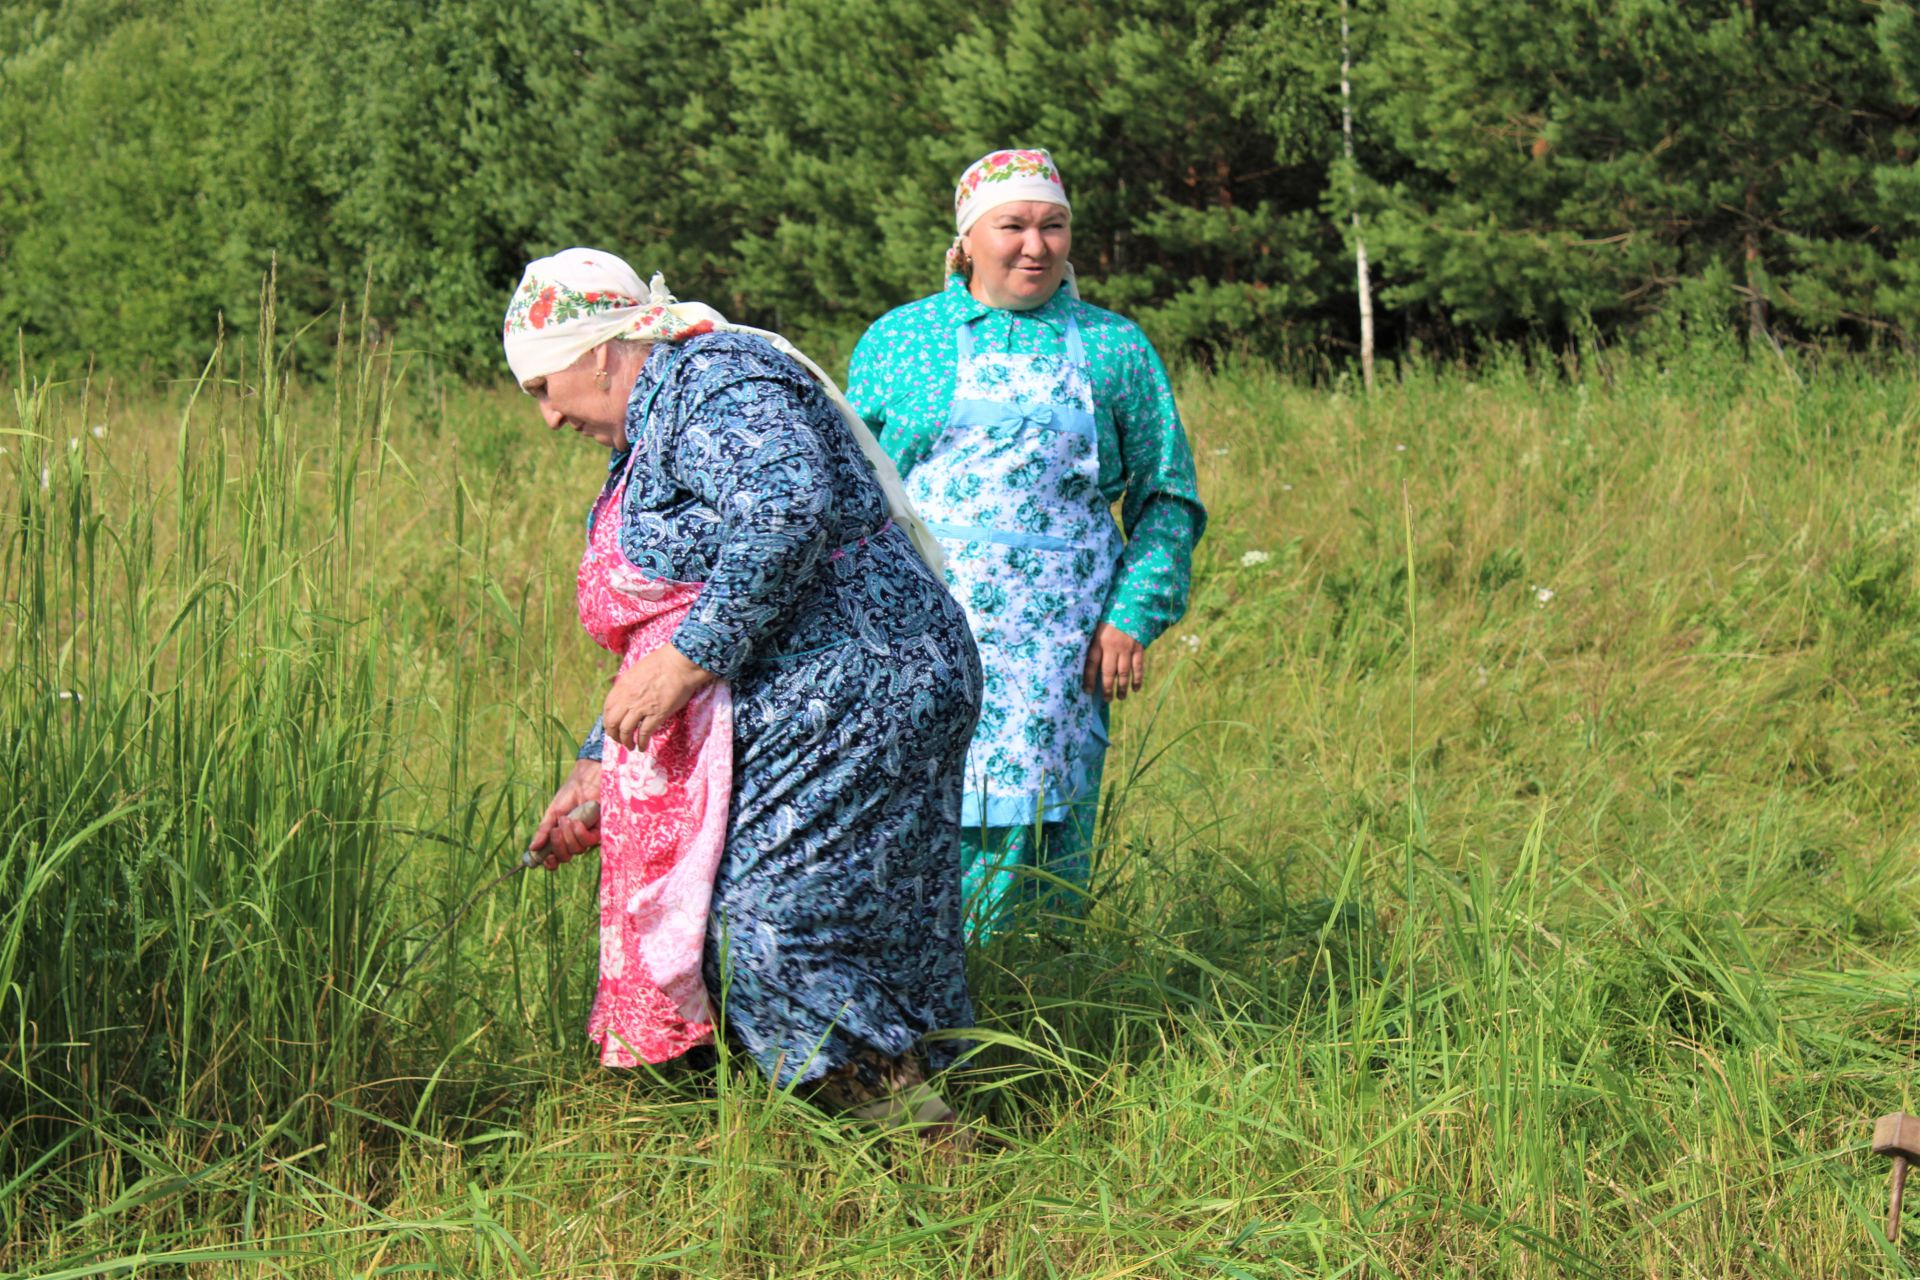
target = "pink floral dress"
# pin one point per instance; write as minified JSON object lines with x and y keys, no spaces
{"x":663,"y":822}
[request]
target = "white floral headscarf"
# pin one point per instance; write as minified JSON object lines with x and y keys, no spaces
{"x":1002,"y":177}
{"x":577,"y":299}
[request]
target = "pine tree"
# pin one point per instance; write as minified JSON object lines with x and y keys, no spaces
{"x":1189,"y":216}
{"x":1570,"y":161}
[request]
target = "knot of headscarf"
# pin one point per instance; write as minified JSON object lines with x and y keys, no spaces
{"x":577,"y":299}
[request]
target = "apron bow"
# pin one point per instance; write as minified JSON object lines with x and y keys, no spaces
{"x":1033,"y":415}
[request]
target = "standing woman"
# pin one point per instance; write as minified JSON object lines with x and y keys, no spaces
{"x":777,"y":764}
{"x":1018,"y":415}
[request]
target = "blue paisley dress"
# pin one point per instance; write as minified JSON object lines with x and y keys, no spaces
{"x":835,"y":932}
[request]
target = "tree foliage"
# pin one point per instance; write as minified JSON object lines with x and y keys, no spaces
{"x":1523,"y":167}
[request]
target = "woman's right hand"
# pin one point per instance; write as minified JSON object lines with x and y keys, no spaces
{"x":561,"y":837}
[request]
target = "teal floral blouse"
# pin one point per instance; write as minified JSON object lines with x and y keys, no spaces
{"x":902,"y":382}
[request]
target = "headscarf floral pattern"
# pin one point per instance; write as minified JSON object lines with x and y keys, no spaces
{"x":1032,"y":174}
{"x":997,"y":178}
{"x":572,"y":302}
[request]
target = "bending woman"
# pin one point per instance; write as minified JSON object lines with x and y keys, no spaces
{"x":794,"y":701}
{"x":1018,"y":414}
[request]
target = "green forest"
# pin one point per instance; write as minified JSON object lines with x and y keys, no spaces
{"x":1521,"y":169}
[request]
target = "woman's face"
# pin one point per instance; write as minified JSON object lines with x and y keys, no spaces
{"x":1019,"y":253}
{"x":574,"y":398}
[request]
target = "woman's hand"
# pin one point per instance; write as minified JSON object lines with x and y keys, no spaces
{"x":561,"y":837}
{"x":1116,"y":663}
{"x":648,"y":694}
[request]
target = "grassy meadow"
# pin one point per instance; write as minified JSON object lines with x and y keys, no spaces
{"x":1509,"y":869}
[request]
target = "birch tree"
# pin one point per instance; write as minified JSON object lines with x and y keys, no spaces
{"x":1362,"y":279}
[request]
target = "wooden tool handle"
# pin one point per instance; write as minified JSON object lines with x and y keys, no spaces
{"x":1899,"y":1190}
{"x":587,"y":815}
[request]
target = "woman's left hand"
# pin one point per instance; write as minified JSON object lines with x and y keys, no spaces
{"x":1116,"y":663}
{"x":649,"y":693}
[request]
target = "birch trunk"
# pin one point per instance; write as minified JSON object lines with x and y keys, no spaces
{"x":1353,"y":201}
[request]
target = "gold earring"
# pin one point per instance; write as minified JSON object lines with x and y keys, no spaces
{"x":602,"y":379}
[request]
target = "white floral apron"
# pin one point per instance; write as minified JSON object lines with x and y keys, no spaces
{"x":1012,"y":489}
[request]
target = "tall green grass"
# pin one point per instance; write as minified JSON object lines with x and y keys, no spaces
{"x":1509,"y":869}
{"x":232,"y":804}
{"x":198,"y":752}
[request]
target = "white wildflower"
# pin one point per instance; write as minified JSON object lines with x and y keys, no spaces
{"x":46,"y":479}
{"x":1480,"y":677}
{"x":99,"y":431}
{"x":1542,"y":597}
{"x":1399,"y":448}
{"x":1221,"y":453}
{"x":1192,"y":642}
{"x":1252,"y":558}
{"x":1286,"y":488}
{"x":73,"y":444}
{"x":68,"y":695}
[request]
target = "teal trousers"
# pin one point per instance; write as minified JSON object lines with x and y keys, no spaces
{"x":1007,"y":873}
